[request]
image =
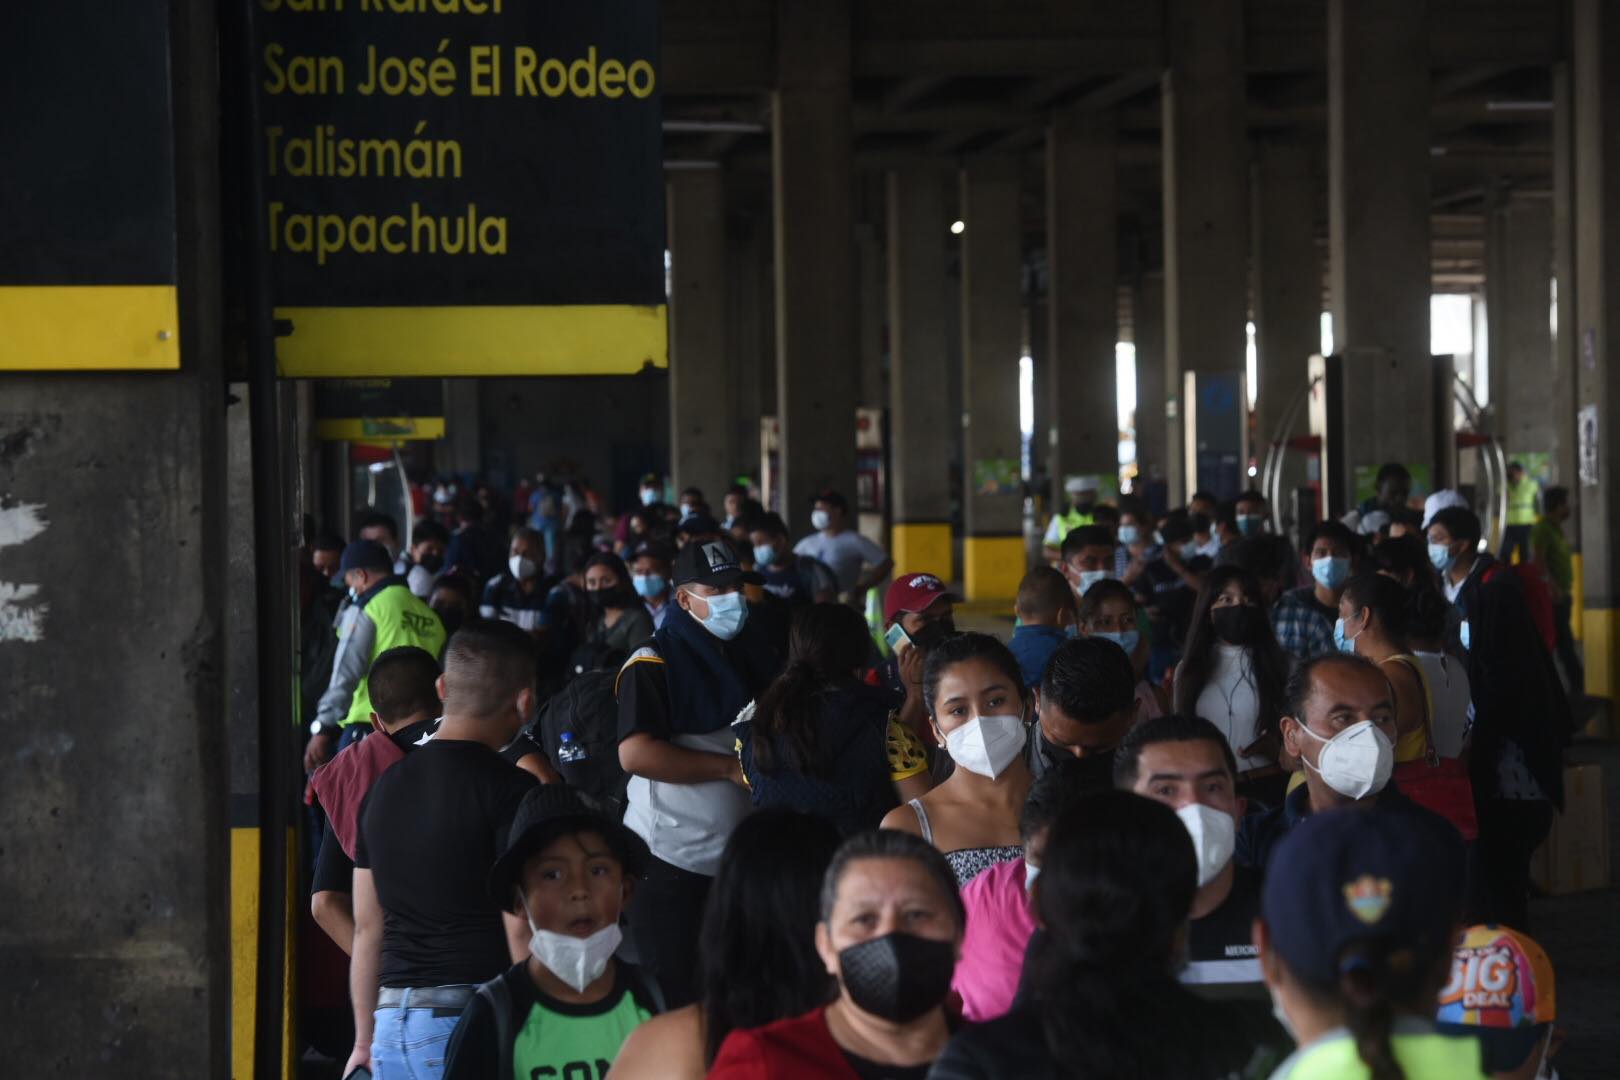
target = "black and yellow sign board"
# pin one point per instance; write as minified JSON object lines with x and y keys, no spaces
{"x":463,"y":187}
{"x":379,"y":410}
{"x":87,"y":204}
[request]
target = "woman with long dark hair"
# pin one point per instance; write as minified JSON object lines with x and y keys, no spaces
{"x":758,"y":960}
{"x":1373,"y":612}
{"x":821,"y":741}
{"x":1100,"y":996}
{"x":979,"y":709}
{"x":618,"y":621}
{"x":1234,"y":674}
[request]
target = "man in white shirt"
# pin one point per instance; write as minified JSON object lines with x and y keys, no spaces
{"x":856,"y":562}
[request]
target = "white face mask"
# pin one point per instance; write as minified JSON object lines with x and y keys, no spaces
{"x":576,"y":961}
{"x":522,"y":568}
{"x":820,"y":519}
{"x":1031,"y":872}
{"x":1214,"y":837}
{"x":1356,"y":762}
{"x":1088,"y":578}
{"x":986,"y":745}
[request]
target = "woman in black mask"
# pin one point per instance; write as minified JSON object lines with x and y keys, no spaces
{"x":618,"y":620}
{"x":1233,"y":674}
{"x":891,"y":927}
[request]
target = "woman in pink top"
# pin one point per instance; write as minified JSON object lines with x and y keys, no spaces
{"x":1000,"y":918}
{"x":1108,"y":610}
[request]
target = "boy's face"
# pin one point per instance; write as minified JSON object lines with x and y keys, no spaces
{"x":575,"y":885}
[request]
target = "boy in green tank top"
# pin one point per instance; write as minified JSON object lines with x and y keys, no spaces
{"x":567,"y":1010}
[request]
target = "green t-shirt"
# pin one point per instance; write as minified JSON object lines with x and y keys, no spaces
{"x":550,"y":1039}
{"x":1550,"y":547}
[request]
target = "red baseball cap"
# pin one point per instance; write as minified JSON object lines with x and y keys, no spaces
{"x":914,"y":592}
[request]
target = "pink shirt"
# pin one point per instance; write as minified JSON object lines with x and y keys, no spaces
{"x":1150,"y":704}
{"x":999,"y":925}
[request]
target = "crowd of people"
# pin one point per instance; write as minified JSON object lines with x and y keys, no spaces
{"x":664,"y":804}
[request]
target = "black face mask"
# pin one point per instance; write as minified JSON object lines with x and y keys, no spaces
{"x":452,"y":617}
{"x":933,"y":633}
{"x":431,"y":563}
{"x":898,"y":976}
{"x":1085,"y":506}
{"x":1238,"y":624}
{"x":617,"y":597}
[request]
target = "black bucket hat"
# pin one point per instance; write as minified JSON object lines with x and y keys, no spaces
{"x":550,"y":811}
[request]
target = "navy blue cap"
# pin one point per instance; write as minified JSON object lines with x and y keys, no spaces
{"x":1386,"y":876}
{"x":365,"y":555}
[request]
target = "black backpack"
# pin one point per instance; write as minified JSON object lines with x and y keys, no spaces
{"x":587,"y":712}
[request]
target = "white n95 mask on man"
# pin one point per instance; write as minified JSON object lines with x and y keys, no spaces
{"x":1356,"y":762}
{"x":1214,"y":837}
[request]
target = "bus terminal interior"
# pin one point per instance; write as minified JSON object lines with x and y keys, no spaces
{"x":940,"y":256}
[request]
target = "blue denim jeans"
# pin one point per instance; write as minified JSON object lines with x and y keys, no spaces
{"x":410,"y":1044}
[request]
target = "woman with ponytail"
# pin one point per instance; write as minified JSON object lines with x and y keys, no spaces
{"x":819,"y":740}
{"x":1100,"y":997}
{"x":1358,"y":919}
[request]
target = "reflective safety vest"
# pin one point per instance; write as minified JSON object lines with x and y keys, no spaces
{"x":400,"y":618}
{"x":1065,"y":523}
{"x":1421,"y":1057}
{"x":1522,"y":502}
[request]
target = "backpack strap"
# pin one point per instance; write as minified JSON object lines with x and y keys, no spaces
{"x":498,"y":996}
{"x":643,"y":985}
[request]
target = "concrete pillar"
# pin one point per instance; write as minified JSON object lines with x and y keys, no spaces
{"x":1378,"y":186}
{"x":1531,"y":415}
{"x":815,"y":253}
{"x":1566,"y":335}
{"x":874,"y":304}
{"x":1152,"y":424}
{"x":1287,"y":279}
{"x":750,"y":347}
{"x":462,"y":450}
{"x":992,"y":342}
{"x":1082,"y":307}
{"x":921,"y":424}
{"x":117,"y":859}
{"x":1596,"y":46}
{"x":700,"y":388}
{"x":1206,"y":208}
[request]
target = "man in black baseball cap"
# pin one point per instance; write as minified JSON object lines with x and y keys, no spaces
{"x":678,"y":695}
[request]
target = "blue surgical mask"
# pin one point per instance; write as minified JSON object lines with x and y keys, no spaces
{"x":1250,"y":524}
{"x":764,"y":555}
{"x":1440,"y":555}
{"x":1462,"y":633}
{"x":1127,"y":640}
{"x":1189,"y":550}
{"x":727,"y":613}
{"x":649,"y":586}
{"x":1331,"y":572}
{"x":648,"y":496}
{"x":1342,"y":643}
{"x":1129,"y":534}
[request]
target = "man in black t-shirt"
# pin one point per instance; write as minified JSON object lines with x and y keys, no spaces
{"x":425,"y":929}
{"x":1186,"y":763}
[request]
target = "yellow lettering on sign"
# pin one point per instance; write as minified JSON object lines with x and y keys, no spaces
{"x":301,"y":74}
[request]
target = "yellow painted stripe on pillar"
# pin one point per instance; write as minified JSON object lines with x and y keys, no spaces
{"x":89,"y":327}
{"x":1601,"y":634}
{"x":992,"y":567}
{"x":245,"y":952}
{"x":244,"y":947}
{"x":1577,"y":606}
{"x":571,"y":339}
{"x":923,"y":548}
